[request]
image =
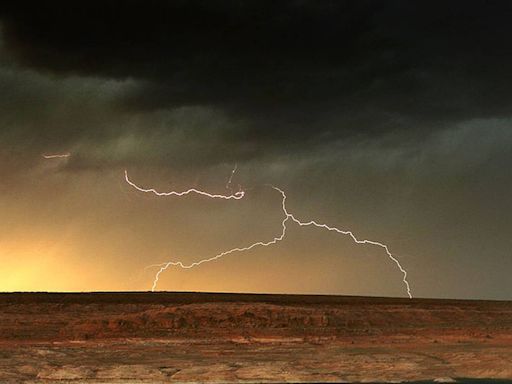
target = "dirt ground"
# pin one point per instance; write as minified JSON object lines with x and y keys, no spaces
{"x":183,"y":337}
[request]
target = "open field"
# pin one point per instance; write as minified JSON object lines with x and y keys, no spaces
{"x":165,"y":337}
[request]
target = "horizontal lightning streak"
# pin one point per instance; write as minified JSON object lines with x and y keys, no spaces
{"x":237,"y":195}
{"x":57,"y":156}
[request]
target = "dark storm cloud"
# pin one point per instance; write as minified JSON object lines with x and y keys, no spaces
{"x":306,"y":72}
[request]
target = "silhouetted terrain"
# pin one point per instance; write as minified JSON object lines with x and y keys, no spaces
{"x":161,"y":337}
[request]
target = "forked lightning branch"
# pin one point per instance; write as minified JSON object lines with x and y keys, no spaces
{"x":288,"y":218}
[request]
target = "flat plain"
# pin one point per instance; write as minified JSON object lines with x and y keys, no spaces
{"x":144,"y":337}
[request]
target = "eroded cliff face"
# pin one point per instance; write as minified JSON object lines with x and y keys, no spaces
{"x":176,"y":337}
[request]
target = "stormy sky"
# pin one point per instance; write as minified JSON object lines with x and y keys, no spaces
{"x":391,"y":119}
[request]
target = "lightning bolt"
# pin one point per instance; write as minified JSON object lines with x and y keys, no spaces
{"x":164,"y":266}
{"x":357,"y":241}
{"x":57,"y":156}
{"x":228,"y":184}
{"x":237,"y":195}
{"x":287,"y":218}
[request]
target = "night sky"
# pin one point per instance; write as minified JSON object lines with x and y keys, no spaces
{"x":391,"y":119}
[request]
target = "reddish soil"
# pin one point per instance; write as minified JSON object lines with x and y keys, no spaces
{"x":166,"y":337}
